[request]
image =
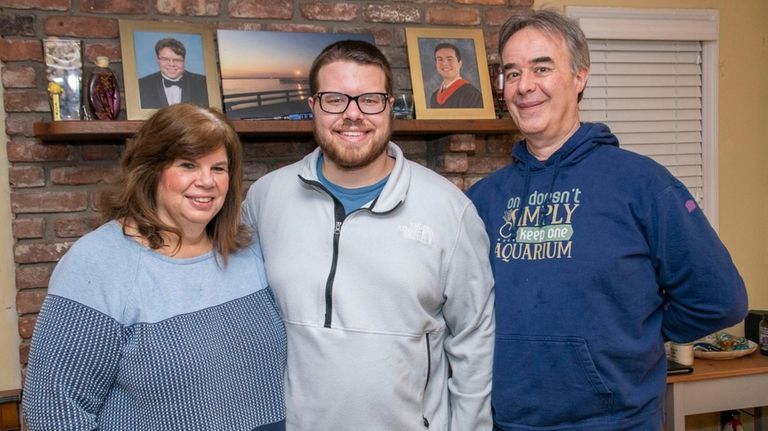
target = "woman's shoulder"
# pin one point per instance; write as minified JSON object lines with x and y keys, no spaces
{"x":94,"y":261}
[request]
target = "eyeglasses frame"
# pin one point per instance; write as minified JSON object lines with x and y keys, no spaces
{"x":319,"y":97}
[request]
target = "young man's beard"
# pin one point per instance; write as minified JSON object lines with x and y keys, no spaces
{"x":347,"y":159}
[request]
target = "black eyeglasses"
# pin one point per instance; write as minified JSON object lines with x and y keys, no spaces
{"x":367,"y":103}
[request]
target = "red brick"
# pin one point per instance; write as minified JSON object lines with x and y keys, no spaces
{"x":27,"y":325}
{"x":29,"y":301}
{"x":401,"y":78}
{"x":333,"y":11}
{"x":78,"y":175}
{"x":32,"y":276}
{"x":412,"y":147}
{"x":21,"y":124}
{"x":444,"y":15}
{"x":97,"y":197}
{"x":501,"y":146}
{"x":276,"y":9}
{"x":397,"y":56}
{"x":304,"y":28}
{"x":498,"y":16}
{"x":21,"y":49}
{"x":486,"y":165}
{"x":398,"y":13}
{"x":456,"y":180}
{"x":40,"y":252}
{"x":24,"y":354}
{"x":101,"y":152}
{"x":254,"y":171}
{"x":382,"y":36}
{"x":114,"y":6}
{"x":470,"y":181}
{"x":28,"y":228}
{"x":19,"y":76}
{"x":46,"y":202}
{"x":275,"y":149}
{"x":73,"y":227}
{"x":26,"y":101}
{"x":38,"y":4}
{"x":492,"y":41}
{"x":103,"y":49}
{"x":31,"y":150}
{"x":461,"y":143}
{"x":243,"y":26}
{"x":452,"y":163}
{"x":76,"y":26}
{"x":188,"y":7}
{"x":26,"y":176}
{"x":485,"y":2}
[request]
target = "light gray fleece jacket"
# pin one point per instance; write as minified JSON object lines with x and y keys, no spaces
{"x":379,"y":303}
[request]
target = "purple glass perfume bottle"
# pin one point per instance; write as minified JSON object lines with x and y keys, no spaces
{"x":103,"y":91}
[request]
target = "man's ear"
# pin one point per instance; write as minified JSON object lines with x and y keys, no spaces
{"x":311,"y":103}
{"x":580,"y":79}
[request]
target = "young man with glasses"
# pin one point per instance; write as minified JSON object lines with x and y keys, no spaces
{"x":379,"y":265}
{"x":172,"y":84}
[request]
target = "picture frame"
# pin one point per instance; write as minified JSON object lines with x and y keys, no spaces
{"x":145,"y":88}
{"x":265,"y":74}
{"x":460,"y":98}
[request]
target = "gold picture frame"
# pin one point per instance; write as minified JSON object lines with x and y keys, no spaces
{"x":141,"y":67}
{"x":469,"y":45}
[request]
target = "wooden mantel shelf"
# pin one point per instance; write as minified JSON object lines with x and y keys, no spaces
{"x":62,"y":131}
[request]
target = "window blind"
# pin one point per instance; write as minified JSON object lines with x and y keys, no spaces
{"x":649,"y":92}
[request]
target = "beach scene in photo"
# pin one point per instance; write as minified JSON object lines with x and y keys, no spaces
{"x":265,"y":75}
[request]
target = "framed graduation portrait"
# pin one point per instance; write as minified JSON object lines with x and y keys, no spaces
{"x":449,"y":73}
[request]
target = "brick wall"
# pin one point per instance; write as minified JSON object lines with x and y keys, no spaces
{"x":55,"y":185}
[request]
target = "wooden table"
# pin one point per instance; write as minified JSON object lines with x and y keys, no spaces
{"x":717,"y":385}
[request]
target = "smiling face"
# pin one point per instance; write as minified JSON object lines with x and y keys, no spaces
{"x":448,"y":65}
{"x":171,"y":64}
{"x":351,"y":140}
{"x":191,"y":192}
{"x":541,"y":89}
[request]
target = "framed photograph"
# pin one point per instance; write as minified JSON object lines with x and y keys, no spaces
{"x":449,"y":73}
{"x":167,"y":63}
{"x":265,"y":74}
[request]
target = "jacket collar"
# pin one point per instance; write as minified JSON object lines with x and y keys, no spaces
{"x":394,"y":191}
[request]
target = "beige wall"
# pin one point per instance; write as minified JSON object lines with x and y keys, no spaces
{"x":10,"y":376}
{"x":743,"y":128}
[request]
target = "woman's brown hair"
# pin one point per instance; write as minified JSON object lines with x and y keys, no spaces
{"x":178,"y":131}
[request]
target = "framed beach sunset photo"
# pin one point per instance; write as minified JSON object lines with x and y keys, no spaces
{"x":265,"y":74}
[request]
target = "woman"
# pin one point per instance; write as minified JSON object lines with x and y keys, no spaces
{"x":161,"y":318}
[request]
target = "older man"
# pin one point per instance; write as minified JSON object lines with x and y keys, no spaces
{"x":600,"y":255}
{"x":380,"y":267}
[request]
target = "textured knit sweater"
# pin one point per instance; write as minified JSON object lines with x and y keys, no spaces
{"x":129,"y":339}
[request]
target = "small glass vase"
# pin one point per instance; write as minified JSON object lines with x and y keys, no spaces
{"x":103,"y":91}
{"x":64,"y":70}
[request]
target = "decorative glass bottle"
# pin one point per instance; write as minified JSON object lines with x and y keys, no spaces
{"x":103,"y":91}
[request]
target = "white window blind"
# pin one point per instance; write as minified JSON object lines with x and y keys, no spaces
{"x":653,"y":80}
{"x":649,"y":94}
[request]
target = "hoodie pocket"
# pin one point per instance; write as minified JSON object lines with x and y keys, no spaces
{"x":546,"y":381}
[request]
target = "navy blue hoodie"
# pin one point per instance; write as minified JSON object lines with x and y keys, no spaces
{"x":599,"y":256}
